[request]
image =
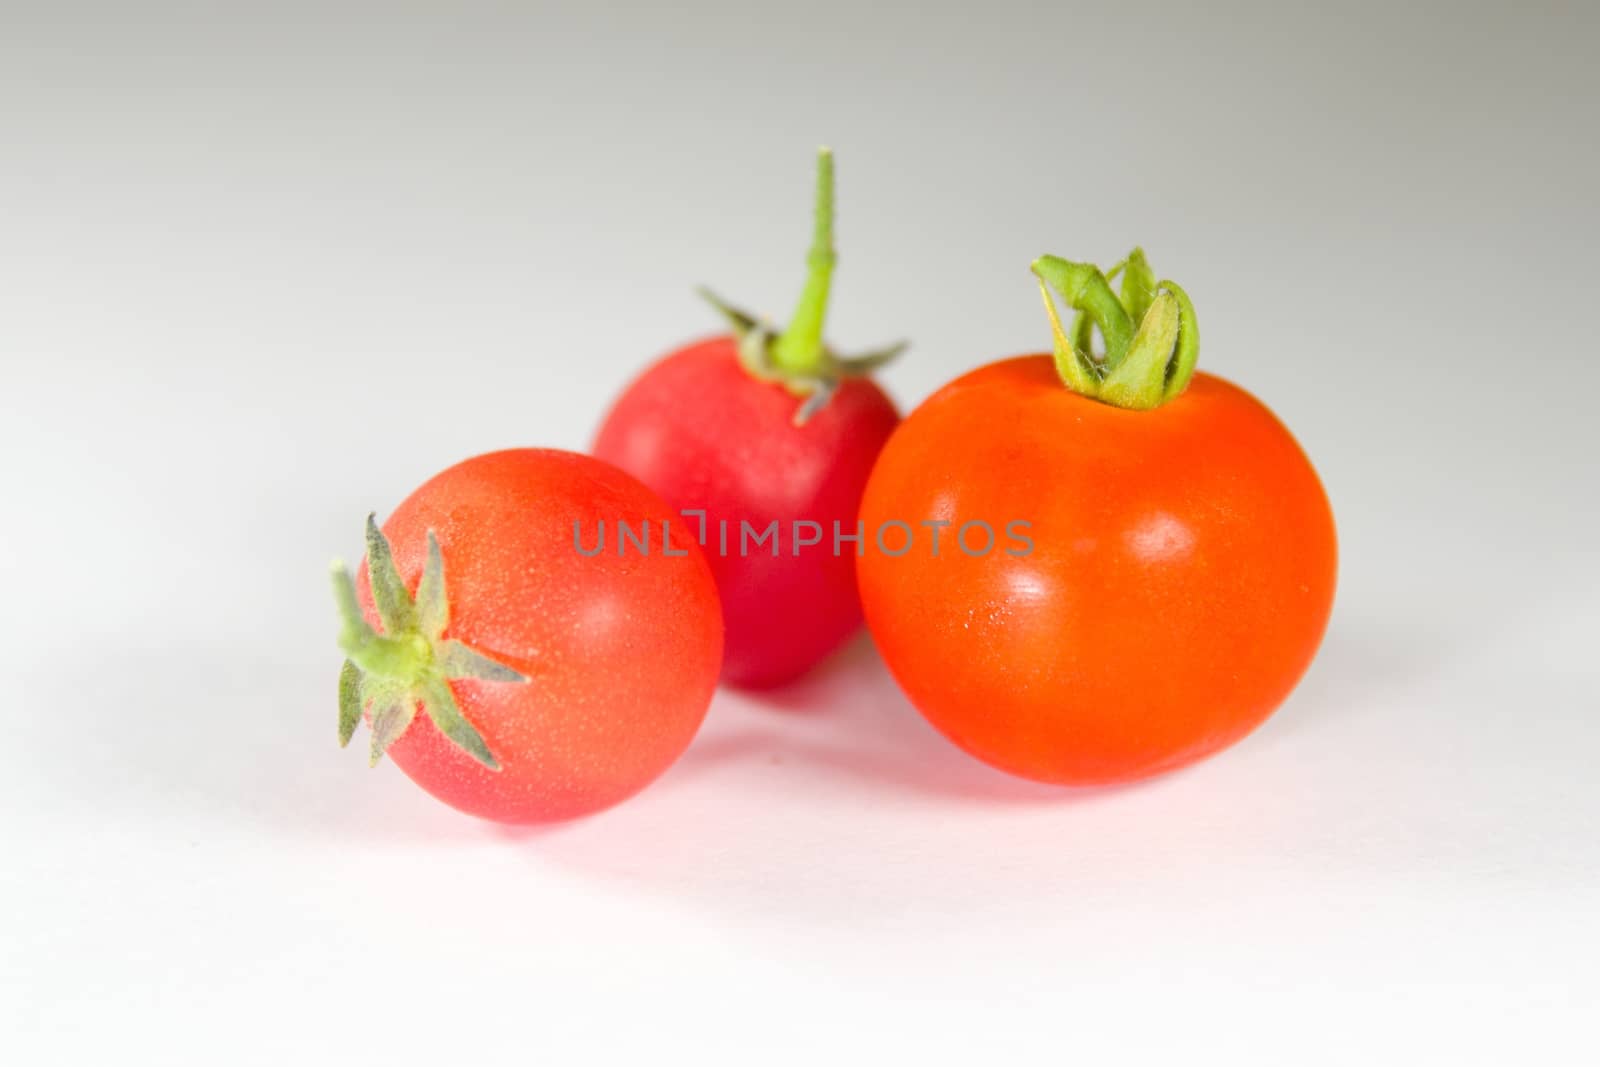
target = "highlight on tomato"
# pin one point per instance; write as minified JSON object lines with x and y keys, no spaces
{"x":766,"y":437}
{"x":1181,"y":555}
{"x":505,"y":672}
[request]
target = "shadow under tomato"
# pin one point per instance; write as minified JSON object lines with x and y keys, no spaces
{"x":1353,"y":667}
{"x":849,"y":718}
{"x":812,"y":691}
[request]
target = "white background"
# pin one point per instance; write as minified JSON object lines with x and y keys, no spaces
{"x":262,"y":270}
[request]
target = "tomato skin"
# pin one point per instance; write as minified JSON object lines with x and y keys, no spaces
{"x":622,"y":653}
{"x":1180,"y":580}
{"x":703,"y":433}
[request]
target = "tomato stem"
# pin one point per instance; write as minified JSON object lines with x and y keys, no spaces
{"x":1138,"y":285}
{"x":798,"y":350}
{"x":798,"y":358}
{"x":1152,"y":340}
{"x":408,"y":666}
{"x":391,"y":658}
{"x":1083,"y":288}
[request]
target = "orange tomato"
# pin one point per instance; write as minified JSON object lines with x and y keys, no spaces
{"x":1170,"y":583}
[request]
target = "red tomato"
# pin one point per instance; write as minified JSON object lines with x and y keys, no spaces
{"x":706,"y":435}
{"x":1180,"y":576}
{"x":583,"y":677}
{"x":757,"y":429}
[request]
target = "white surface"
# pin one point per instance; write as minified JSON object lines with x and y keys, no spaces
{"x":246,"y":257}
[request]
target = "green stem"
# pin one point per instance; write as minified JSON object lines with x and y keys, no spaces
{"x":409,"y":665}
{"x":399,"y":659}
{"x":1152,"y":340}
{"x":1083,"y":288}
{"x":1138,"y":285}
{"x":797,"y":358}
{"x":798,"y":350}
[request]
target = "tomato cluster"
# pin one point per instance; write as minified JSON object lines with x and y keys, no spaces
{"x":1085,"y":566}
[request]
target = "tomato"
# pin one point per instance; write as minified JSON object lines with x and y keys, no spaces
{"x":766,"y":440}
{"x":708,"y":437}
{"x":511,"y":675}
{"x":1159,"y":579}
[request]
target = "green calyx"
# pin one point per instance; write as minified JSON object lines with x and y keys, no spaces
{"x":1148,"y":327}
{"x":409,"y":665}
{"x":797,"y":357}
